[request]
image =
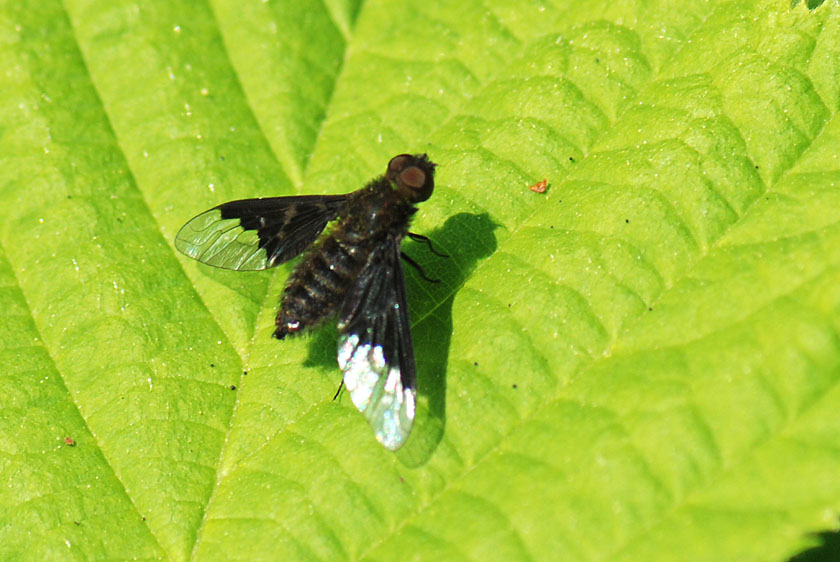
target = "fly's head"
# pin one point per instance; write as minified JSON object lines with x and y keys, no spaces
{"x":413,"y":176}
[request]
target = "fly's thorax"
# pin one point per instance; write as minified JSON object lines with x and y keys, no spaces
{"x":376,"y":212}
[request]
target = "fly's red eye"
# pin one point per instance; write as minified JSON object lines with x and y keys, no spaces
{"x":397,"y":162}
{"x":413,"y":177}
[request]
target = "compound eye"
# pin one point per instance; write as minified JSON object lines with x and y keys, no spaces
{"x":413,"y":177}
{"x":397,"y":163}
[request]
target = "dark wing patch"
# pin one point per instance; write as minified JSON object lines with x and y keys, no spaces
{"x":375,"y":351}
{"x":253,"y":234}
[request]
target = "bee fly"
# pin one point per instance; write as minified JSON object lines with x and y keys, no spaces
{"x":353,"y":271}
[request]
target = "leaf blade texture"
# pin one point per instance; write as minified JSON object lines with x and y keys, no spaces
{"x":640,"y":363}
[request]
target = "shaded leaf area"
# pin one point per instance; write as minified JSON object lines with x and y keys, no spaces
{"x":638,"y":364}
{"x":829,"y":549}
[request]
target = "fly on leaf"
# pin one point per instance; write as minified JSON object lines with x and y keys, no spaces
{"x":352,"y":272}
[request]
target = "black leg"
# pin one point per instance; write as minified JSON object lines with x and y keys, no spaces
{"x":337,"y":392}
{"x":425,"y":240}
{"x":419,"y":269}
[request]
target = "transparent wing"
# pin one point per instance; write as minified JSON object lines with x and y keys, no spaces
{"x":375,"y":351}
{"x":253,"y":234}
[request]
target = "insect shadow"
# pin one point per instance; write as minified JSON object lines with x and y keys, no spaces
{"x":828,"y":550}
{"x":466,"y":238}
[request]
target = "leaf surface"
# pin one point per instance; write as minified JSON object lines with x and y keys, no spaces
{"x":640,"y":364}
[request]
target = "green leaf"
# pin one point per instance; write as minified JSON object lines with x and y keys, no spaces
{"x":643,"y":363}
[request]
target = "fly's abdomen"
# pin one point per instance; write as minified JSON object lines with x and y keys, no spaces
{"x":317,"y":286}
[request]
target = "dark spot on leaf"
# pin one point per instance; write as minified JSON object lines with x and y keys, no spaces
{"x":233,"y":387}
{"x":514,"y":385}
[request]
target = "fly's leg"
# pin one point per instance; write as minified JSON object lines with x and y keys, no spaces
{"x":425,"y":240}
{"x":419,"y":269}
{"x":337,"y":392}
